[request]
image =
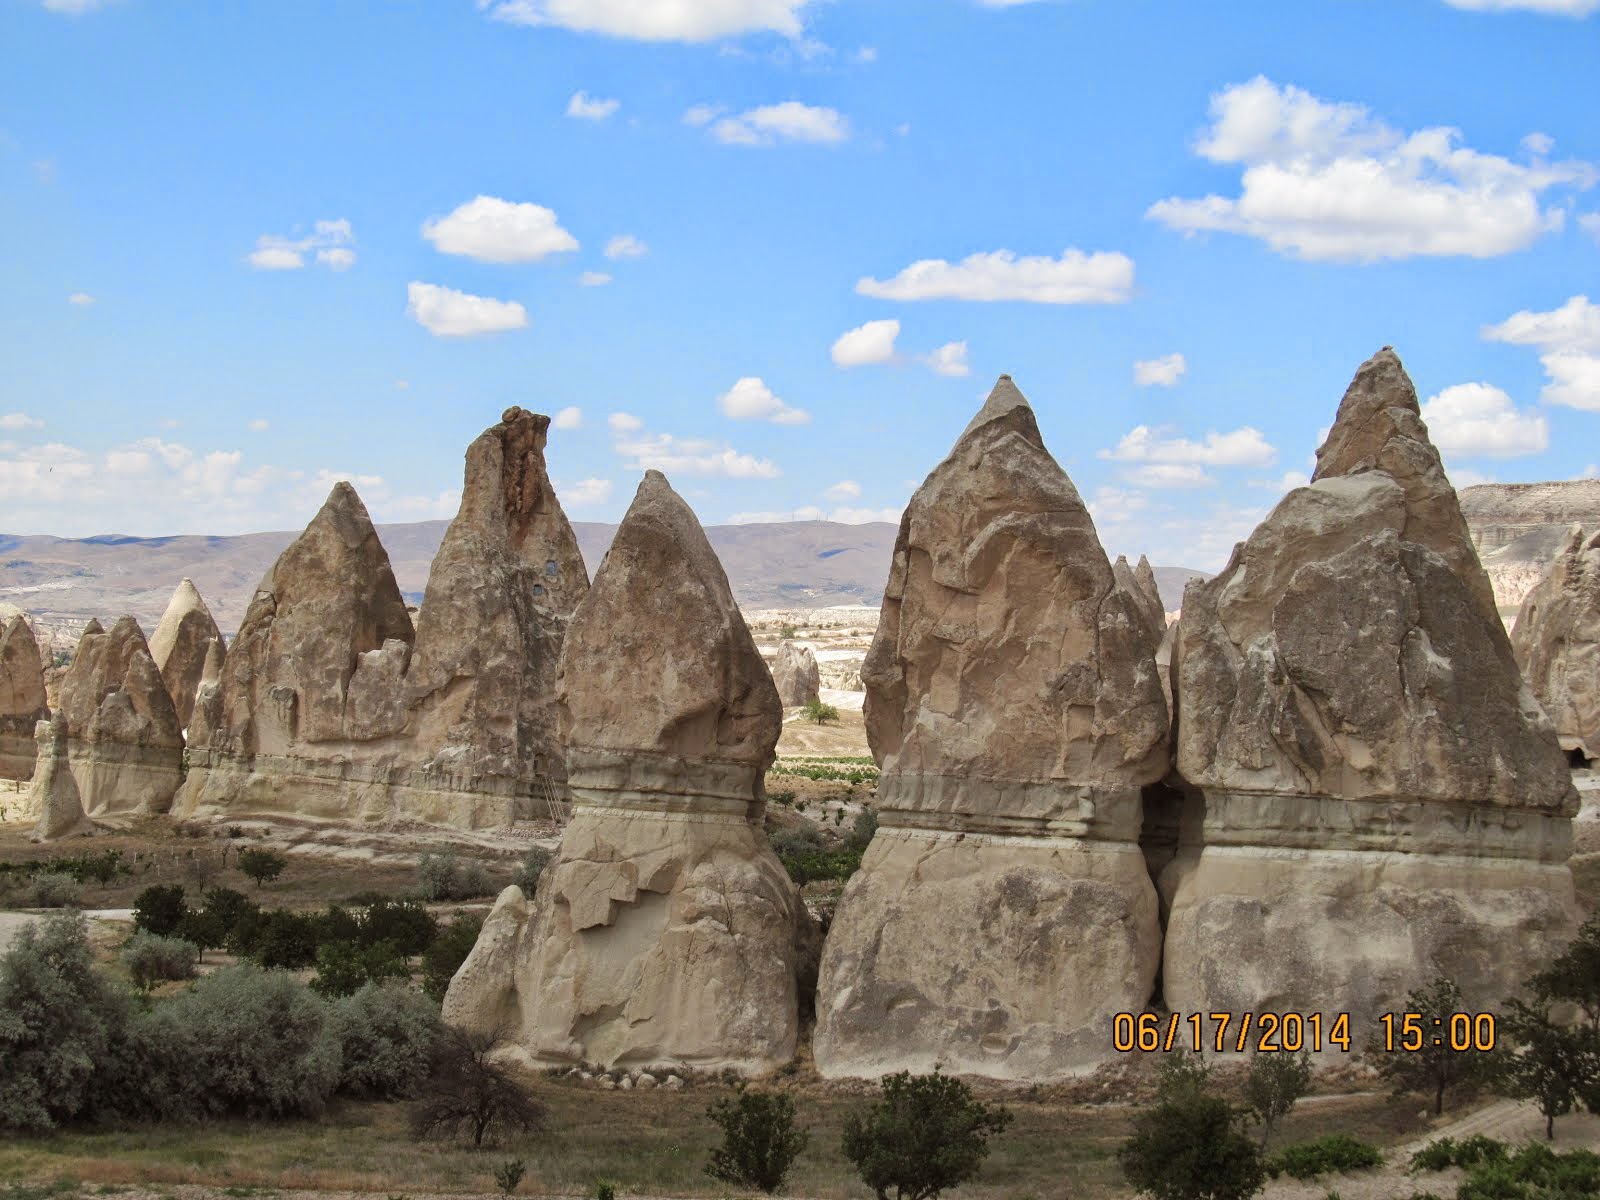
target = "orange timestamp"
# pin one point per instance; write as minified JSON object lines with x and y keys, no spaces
{"x":1264,"y":1033}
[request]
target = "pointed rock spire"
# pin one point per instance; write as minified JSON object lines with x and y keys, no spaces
{"x":180,"y":645}
{"x":53,"y":796}
{"x":796,"y":674}
{"x":22,"y":698}
{"x":1557,"y":641}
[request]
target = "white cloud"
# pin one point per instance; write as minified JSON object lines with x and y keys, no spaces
{"x":1284,"y":483}
{"x":949,"y":359}
{"x":750,"y":399}
{"x":1328,"y":181}
{"x":81,"y":299}
{"x":1538,"y":144}
{"x":593,"y":279}
{"x":790,"y":121}
{"x":259,"y":425}
{"x":692,"y":456}
{"x":1159,"y":372}
{"x":584,"y":493}
{"x":866,"y":344}
{"x":20,"y":420}
{"x":1168,"y":475}
{"x":621,"y":422}
{"x":1570,"y":339}
{"x":445,"y":312}
{"x":1243,"y":447}
{"x":655,"y":20}
{"x":570,"y":417}
{"x":489,"y":229}
{"x":1554,"y":8}
{"x":1074,"y":278}
{"x":1479,"y":420}
{"x":845,"y":489}
{"x":76,"y":8}
{"x":702,"y":114}
{"x":591,"y":108}
{"x":1590,"y":224}
{"x":625,"y":245}
{"x":329,"y":243}
{"x":811,"y":512}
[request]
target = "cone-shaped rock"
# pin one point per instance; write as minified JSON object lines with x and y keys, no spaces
{"x":22,"y":700}
{"x":1141,"y":591}
{"x":483,"y":673}
{"x":1003,"y":912}
{"x":53,"y":796}
{"x":125,"y":743}
{"x":1385,"y":802}
{"x":180,"y":645}
{"x":665,"y":931}
{"x":1145,"y":575}
{"x":310,"y":711}
{"x":796,"y":675}
{"x":1557,"y":642}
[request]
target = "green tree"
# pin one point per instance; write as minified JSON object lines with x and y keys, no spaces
{"x":160,"y":910}
{"x":468,"y":1094}
{"x":1550,"y":1064}
{"x":261,"y":865}
{"x":819,"y":713}
{"x":1191,"y":1148}
{"x":152,"y":959}
{"x":443,"y":958}
{"x":925,"y":1133}
{"x":759,"y":1140}
{"x":1434,"y":1067}
{"x":1273,"y":1085}
{"x":345,"y":967}
{"x":1181,"y":1076}
{"x":1574,"y":977}
{"x":204,"y":930}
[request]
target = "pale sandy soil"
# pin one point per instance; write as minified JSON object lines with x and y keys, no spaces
{"x":846,"y":737}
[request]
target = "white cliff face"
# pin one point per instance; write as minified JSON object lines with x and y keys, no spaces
{"x":1384,"y":800}
{"x":181,"y":645}
{"x":1003,"y":912}
{"x":665,"y":932}
{"x":22,"y":698}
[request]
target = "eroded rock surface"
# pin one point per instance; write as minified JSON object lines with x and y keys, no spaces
{"x":1385,"y":801}
{"x":666,"y":930}
{"x":1557,"y":641}
{"x":796,"y":675}
{"x":181,"y":644}
{"x":53,"y":797}
{"x":22,"y":699}
{"x":1003,"y":912}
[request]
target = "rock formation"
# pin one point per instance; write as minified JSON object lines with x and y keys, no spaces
{"x":1557,"y":642}
{"x":22,"y":699}
{"x":1003,"y":913}
{"x":1385,"y":801}
{"x":1142,"y":591}
{"x":53,"y":797}
{"x":796,"y":675}
{"x":666,"y":929}
{"x":124,"y":741}
{"x":481,"y":686}
{"x":181,"y":644}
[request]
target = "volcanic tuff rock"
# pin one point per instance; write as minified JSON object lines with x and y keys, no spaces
{"x":181,"y":644}
{"x":53,"y":797}
{"x":125,"y":744}
{"x":1003,"y":912}
{"x":1345,"y":685}
{"x":22,"y":700}
{"x":1557,"y":641}
{"x":796,"y":675}
{"x":481,"y":685}
{"x":1142,"y":590}
{"x":666,"y":929}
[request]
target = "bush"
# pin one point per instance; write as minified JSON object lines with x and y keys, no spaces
{"x":152,"y":959}
{"x":58,"y":1017}
{"x":405,"y":924}
{"x":204,"y":930}
{"x":229,"y":907}
{"x":1335,"y":1153}
{"x":1470,"y":1152}
{"x":56,"y":889}
{"x":276,"y":938}
{"x":444,"y":877}
{"x":1191,"y":1148}
{"x":345,"y":967}
{"x":261,"y":865}
{"x":1272,"y":1087}
{"x":387,"y":1037}
{"x":862,"y":830}
{"x":508,"y":1174}
{"x":533,"y":865}
{"x":1535,"y":1172}
{"x":467,"y":1094}
{"x":819,"y":713}
{"x":159,"y":910}
{"x":759,"y":1140}
{"x":924,"y":1134}
{"x":449,"y":950}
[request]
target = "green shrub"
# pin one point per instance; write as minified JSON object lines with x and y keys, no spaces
{"x":335,"y":924}
{"x":759,"y":1140}
{"x":1470,"y":1152}
{"x":260,"y":864}
{"x":56,"y":889}
{"x":1337,"y":1152}
{"x":345,"y":967}
{"x":229,"y":907}
{"x":405,"y":924}
{"x":444,"y":877}
{"x":276,"y":938}
{"x":532,"y":866}
{"x":508,"y":1174}
{"x":442,"y":959}
{"x":387,"y":1037}
{"x":58,"y":1019}
{"x":159,"y":909}
{"x":802,"y":839}
{"x":924,"y":1134}
{"x":605,"y":1190}
{"x":1191,"y":1148}
{"x":152,"y":959}
{"x":1273,"y":1085}
{"x":819,"y":713}
{"x":204,"y":930}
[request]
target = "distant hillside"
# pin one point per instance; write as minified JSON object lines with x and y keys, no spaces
{"x":1517,"y":528}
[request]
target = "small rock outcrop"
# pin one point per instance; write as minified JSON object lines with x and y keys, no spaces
{"x":181,"y":644}
{"x":796,"y":675}
{"x":124,"y":741}
{"x":1384,"y":799}
{"x":665,"y":932}
{"x":22,"y":699}
{"x":1141,"y":588}
{"x":1557,"y":642}
{"x":482,"y":682}
{"x":1003,"y":912}
{"x":53,"y":797}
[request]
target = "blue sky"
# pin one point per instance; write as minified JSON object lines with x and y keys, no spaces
{"x":781,"y":248}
